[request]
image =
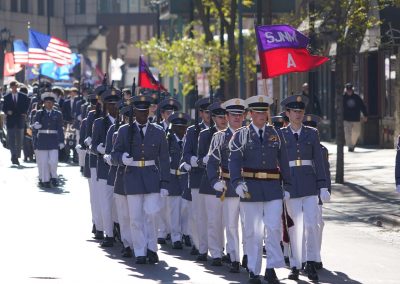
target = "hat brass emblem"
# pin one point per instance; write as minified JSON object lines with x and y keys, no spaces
{"x":180,"y":115}
{"x":298,"y":99}
{"x":237,"y":102}
{"x":142,"y":98}
{"x":261,"y":99}
{"x":113,"y":93}
{"x":171,"y":102}
{"x":309,"y":118}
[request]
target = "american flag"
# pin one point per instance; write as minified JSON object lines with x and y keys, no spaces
{"x":45,"y":48}
{"x":20,"y":51}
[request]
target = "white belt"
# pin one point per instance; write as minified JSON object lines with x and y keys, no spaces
{"x":298,"y":163}
{"x":177,"y":172}
{"x":141,"y":164}
{"x":47,"y":131}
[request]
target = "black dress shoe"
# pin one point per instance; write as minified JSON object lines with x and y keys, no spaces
{"x":94,"y":229}
{"x":168,"y":238}
{"x":216,"y":262}
{"x":318,"y":265}
{"x":194,"y":251}
{"x":161,"y":241}
{"x":254,"y":279}
{"x":107,"y":242}
{"x":177,"y":245}
{"x":99,"y":235}
{"x":40,"y":184}
{"x":287,"y":261}
{"x":127,"y":252}
{"x":244,"y":261}
{"x":311,"y":271}
{"x":46,"y":184}
{"x":187,"y":241}
{"x":226,"y":258}
{"x":152,"y":256}
{"x":234,"y":267}
{"x":270,"y":276}
{"x":303,"y":265}
{"x":294,"y":274}
{"x":202,"y":257}
{"x":54,"y":182}
{"x":140,"y":260}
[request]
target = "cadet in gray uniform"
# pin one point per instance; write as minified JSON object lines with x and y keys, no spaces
{"x":189,"y":163}
{"x":110,"y":99}
{"x":218,"y":175}
{"x":140,"y":147}
{"x":258,"y":159}
{"x":307,"y":168}
{"x":50,"y":138}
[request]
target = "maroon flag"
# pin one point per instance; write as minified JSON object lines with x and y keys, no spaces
{"x":146,"y":78}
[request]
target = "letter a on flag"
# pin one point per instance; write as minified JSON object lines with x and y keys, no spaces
{"x":283,"y":49}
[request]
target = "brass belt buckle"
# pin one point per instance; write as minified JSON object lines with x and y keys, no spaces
{"x":141,"y":164}
{"x":298,"y":163}
{"x":178,"y":172}
{"x":261,"y":175}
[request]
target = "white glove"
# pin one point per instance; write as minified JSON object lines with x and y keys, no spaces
{"x":220,"y":185}
{"x":193,"y":161}
{"x":9,"y":112}
{"x":286,"y":196}
{"x":125,"y":160}
{"x":37,"y":125}
{"x":101,"y":149}
{"x":61,"y":146}
{"x":78,"y":147}
{"x":164,"y":192}
{"x":324,"y":195}
{"x":88,"y":141}
{"x":205,"y":159}
{"x":186,"y":166}
{"x":398,"y":188}
{"x":241,"y":189}
{"x":79,"y":117}
{"x":107,"y":159}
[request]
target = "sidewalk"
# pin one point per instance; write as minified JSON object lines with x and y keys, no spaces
{"x":368,"y":194}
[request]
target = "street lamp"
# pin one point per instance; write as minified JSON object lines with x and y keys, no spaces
{"x":5,"y":36}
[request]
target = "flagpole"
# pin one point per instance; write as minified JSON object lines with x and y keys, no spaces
{"x":25,"y":66}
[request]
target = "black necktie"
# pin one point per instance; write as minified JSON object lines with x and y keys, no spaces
{"x":180,"y":142}
{"x":141,"y":130}
{"x":260,"y":132}
{"x":296,"y":135}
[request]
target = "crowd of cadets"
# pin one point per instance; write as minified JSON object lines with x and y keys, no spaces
{"x":164,"y":182}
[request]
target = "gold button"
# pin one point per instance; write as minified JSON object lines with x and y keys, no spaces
{"x":264,"y":162}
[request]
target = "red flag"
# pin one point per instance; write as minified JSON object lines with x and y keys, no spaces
{"x":10,"y":68}
{"x":146,"y":78}
{"x":280,"y":61}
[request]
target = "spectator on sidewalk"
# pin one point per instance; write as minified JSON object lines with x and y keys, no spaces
{"x":397,"y":171}
{"x":313,"y":107}
{"x":353,"y":105}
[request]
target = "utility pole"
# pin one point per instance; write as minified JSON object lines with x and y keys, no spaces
{"x":312,"y":75}
{"x":241,"y":51}
{"x":258,"y":22}
{"x":48,"y":16}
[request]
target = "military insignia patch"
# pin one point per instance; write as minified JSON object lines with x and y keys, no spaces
{"x":273,"y":138}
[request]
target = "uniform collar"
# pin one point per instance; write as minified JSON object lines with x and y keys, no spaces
{"x":112,"y":119}
{"x":256,"y":128}
{"x":293,"y":131}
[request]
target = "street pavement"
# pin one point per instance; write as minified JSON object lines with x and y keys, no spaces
{"x":46,"y":236}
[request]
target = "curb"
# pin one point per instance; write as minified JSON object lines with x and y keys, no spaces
{"x":385,"y":219}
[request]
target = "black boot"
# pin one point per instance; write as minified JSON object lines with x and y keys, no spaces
{"x":234,"y":267}
{"x":254,"y":279}
{"x":99,"y":235}
{"x":187,"y":241}
{"x":152,"y":256}
{"x":294,"y":274}
{"x":127,"y":252}
{"x":194,"y":251}
{"x":177,"y":245}
{"x":311,"y":271}
{"x":270,"y":276}
{"x":244,"y":262}
{"x":216,"y":262}
{"x":107,"y":242}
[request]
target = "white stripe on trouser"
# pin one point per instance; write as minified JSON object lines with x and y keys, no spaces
{"x":215,"y":229}
{"x":47,"y":162}
{"x":37,"y":157}
{"x":321,"y":225}
{"x":258,"y":215}
{"x":106,"y":197}
{"x":194,"y":217}
{"x":241,"y":214}
{"x":174,"y":214}
{"x":230,"y":212}
{"x":162,"y":221}
{"x":142,"y":225}
{"x":95,"y":198}
{"x":121,"y":204}
{"x":201,"y":222}
{"x":303,"y":211}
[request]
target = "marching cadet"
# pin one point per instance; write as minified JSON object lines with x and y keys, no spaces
{"x":218,"y":175}
{"x":189,"y":163}
{"x":278,"y":121}
{"x":397,"y":168}
{"x":178,"y":179}
{"x":115,"y":179}
{"x":110,"y":99}
{"x":211,"y":231}
{"x":258,"y":159}
{"x":140,"y":146}
{"x":308,"y":178}
{"x":127,"y":93}
{"x":166,"y":108}
{"x":50,"y":138}
{"x":312,"y":121}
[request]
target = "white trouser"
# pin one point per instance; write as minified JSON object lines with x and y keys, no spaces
{"x":77,"y":136}
{"x":106,"y":197}
{"x":81,"y":157}
{"x":47,"y":161}
{"x":200,"y":213}
{"x":215,"y":229}
{"x":256,"y":216}
{"x":174,"y":214}
{"x":321,"y":225}
{"x":185,"y":217}
{"x":352,"y":130}
{"x":37,"y":157}
{"x":230,"y":208}
{"x":91,"y":197}
{"x":241,"y":214}
{"x":95,"y":198}
{"x":142,"y":224}
{"x":303,"y":211}
{"x":162,"y":221}
{"x":195,"y":216}
{"x":121,"y":204}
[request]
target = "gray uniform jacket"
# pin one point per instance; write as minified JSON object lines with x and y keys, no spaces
{"x":52,"y":122}
{"x":149,"y":179}
{"x":306,"y":180}
{"x":177,"y":183}
{"x":204,"y":145}
{"x":88,"y":133}
{"x":189,"y":150}
{"x":269,"y":156}
{"x":100,"y":129}
{"x":110,"y":139}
